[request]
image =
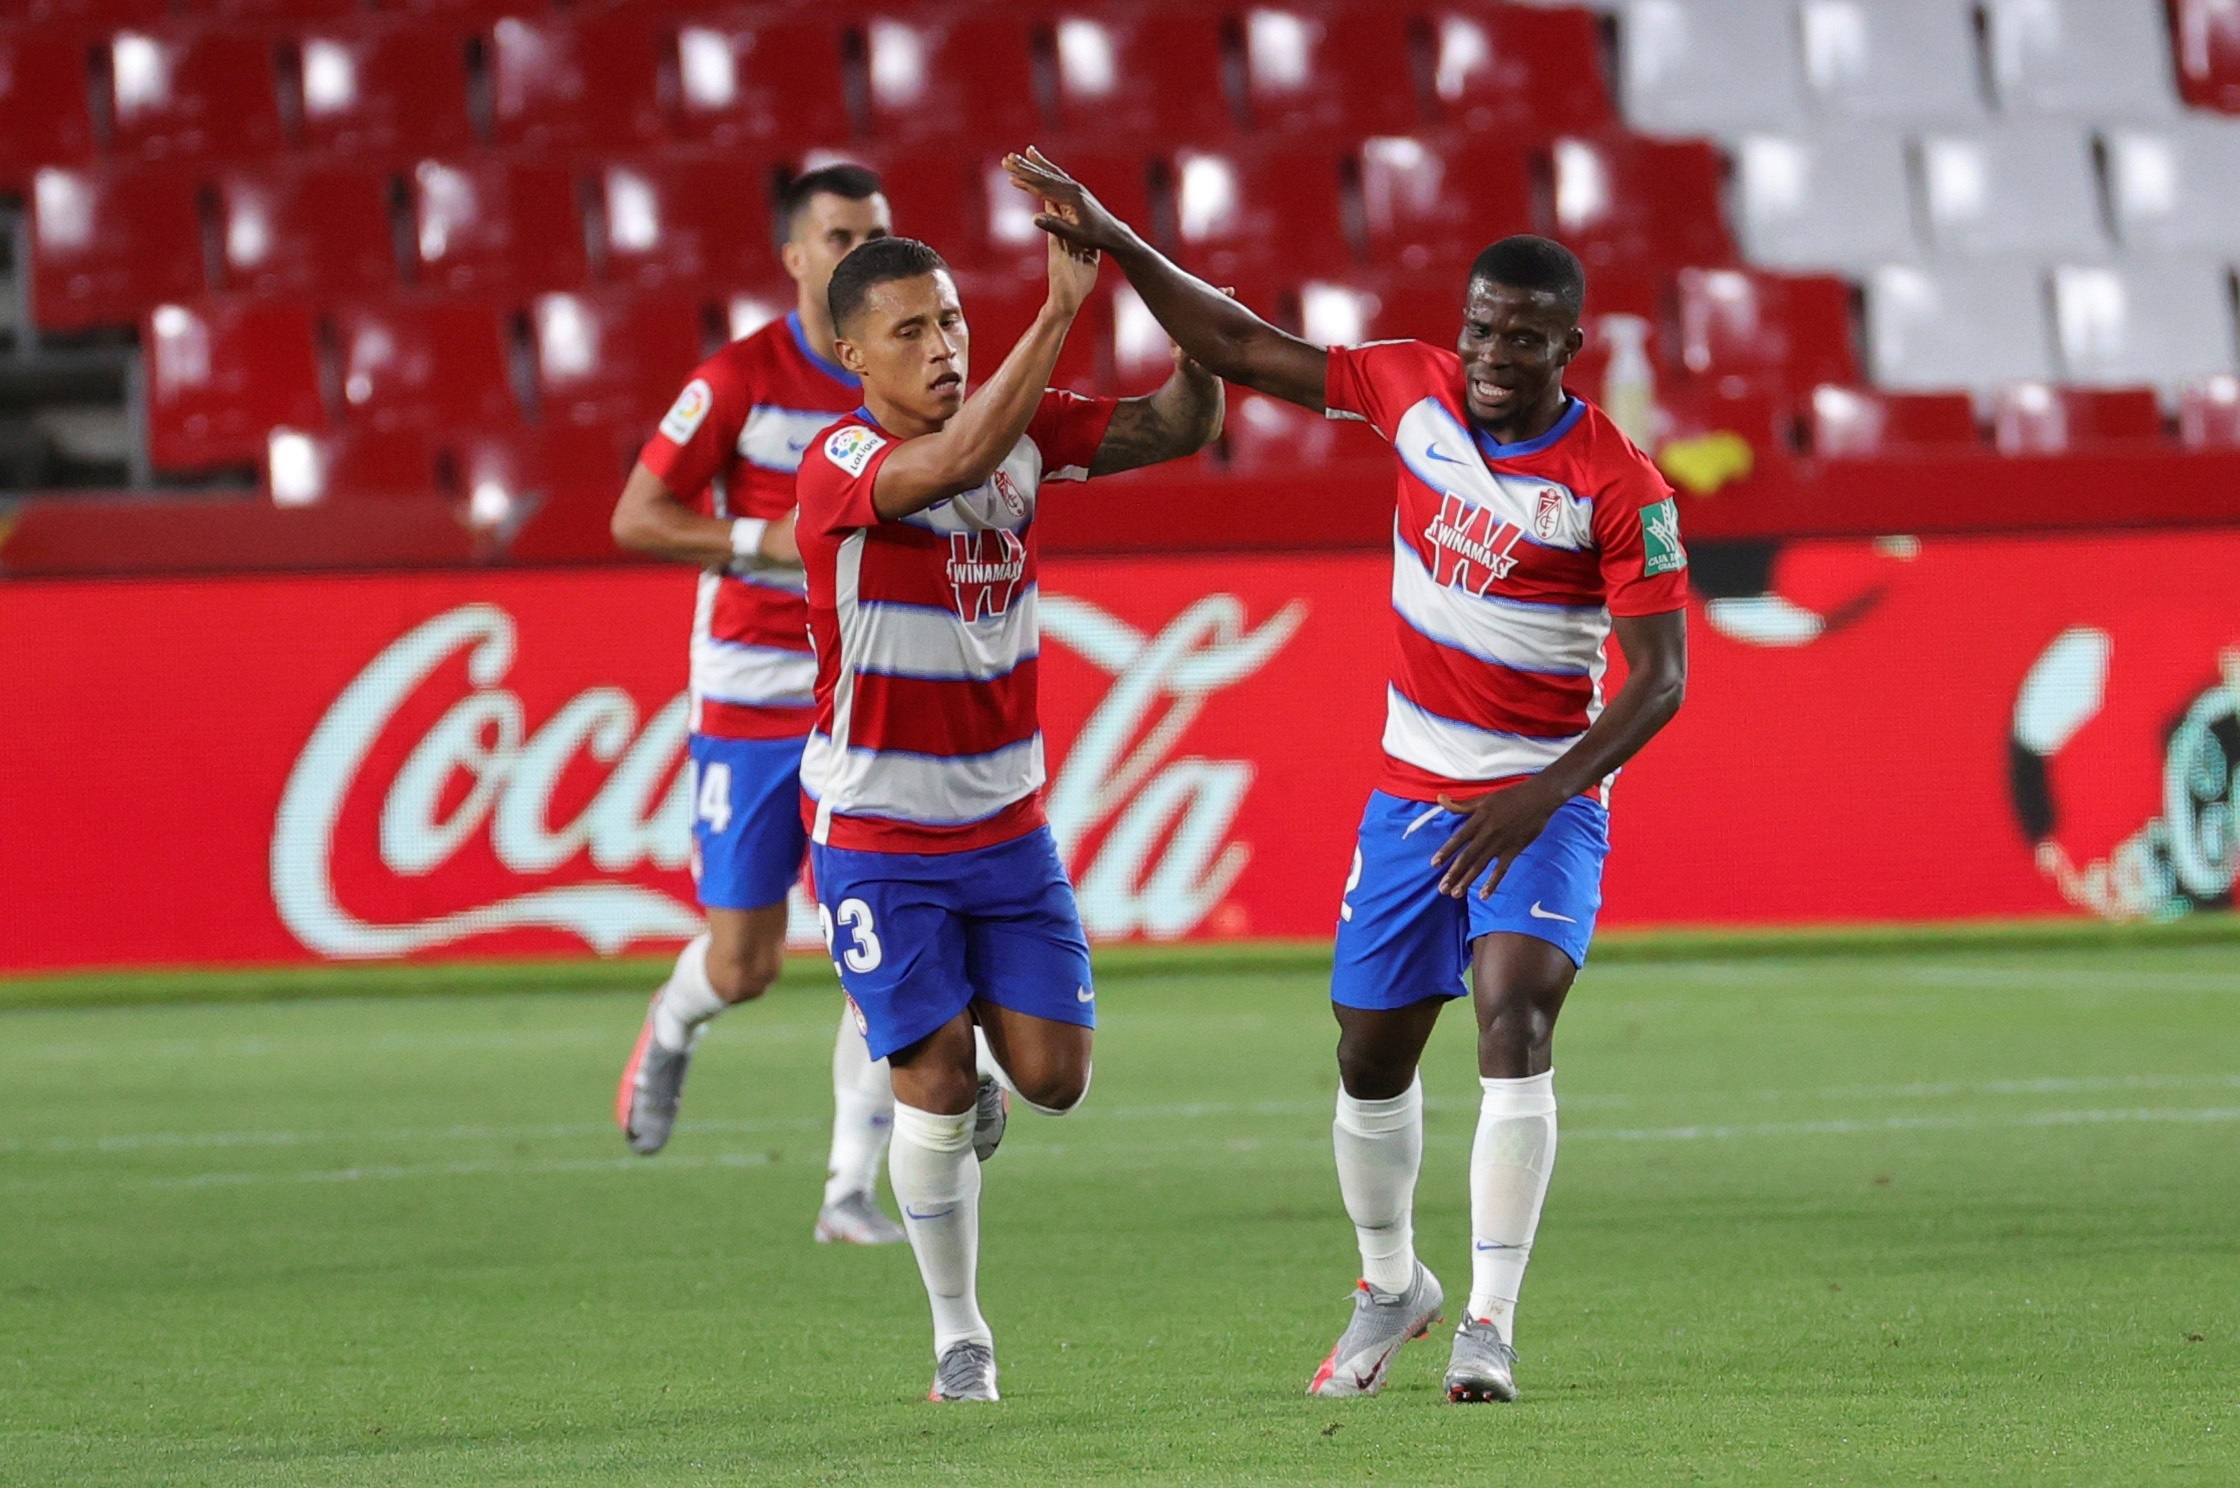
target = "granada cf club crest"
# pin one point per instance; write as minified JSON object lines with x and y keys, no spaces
{"x":984,"y":571}
{"x":1470,"y":547}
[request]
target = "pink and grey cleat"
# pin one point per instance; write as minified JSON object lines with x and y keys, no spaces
{"x":1382,"y":1322}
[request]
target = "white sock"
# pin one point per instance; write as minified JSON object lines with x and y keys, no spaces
{"x":688,"y":999}
{"x":1380,"y":1147}
{"x":937,"y":1182}
{"x":862,"y":1113}
{"x":1509,"y":1167}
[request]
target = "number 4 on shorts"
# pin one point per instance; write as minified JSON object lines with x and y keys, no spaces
{"x":712,"y":801}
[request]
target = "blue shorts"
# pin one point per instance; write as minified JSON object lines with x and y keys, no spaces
{"x":747,"y":837}
{"x":917,"y":937}
{"x":1400,"y":940}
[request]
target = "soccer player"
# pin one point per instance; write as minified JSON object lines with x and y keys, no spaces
{"x":714,"y":488}
{"x":938,"y":882}
{"x":1528,"y":528}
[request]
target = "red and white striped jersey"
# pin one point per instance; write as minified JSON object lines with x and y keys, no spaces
{"x":729,"y":446}
{"x":927,"y":738}
{"x":1508,"y":561}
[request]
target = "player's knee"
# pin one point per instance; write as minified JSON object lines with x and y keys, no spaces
{"x":1055,"y":1092}
{"x":745,"y":974}
{"x":1372,"y":1073}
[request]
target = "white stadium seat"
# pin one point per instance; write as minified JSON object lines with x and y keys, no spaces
{"x":2176,"y":187}
{"x":1898,"y":61}
{"x":1838,"y":200}
{"x":2155,"y":322}
{"x":1709,"y":66}
{"x":2097,"y":59}
{"x":2012,"y":189}
{"x":1957,"y":325}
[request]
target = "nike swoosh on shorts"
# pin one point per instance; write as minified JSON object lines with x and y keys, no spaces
{"x":1548,"y":914}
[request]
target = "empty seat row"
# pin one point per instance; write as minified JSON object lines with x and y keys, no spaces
{"x":1847,"y":200}
{"x":108,"y":242}
{"x":2027,"y":418}
{"x":1730,"y":66}
{"x":391,"y":86}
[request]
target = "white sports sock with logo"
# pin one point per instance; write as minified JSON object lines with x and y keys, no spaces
{"x":937,"y":1182}
{"x":688,"y":999}
{"x":1509,"y":1167}
{"x":862,"y":1113}
{"x":1380,"y":1149}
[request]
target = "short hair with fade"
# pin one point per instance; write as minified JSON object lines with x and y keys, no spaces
{"x":869,"y":265}
{"x":1534,"y":263}
{"x":854,"y":182}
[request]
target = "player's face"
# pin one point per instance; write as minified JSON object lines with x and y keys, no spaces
{"x":828,"y":230}
{"x":1515,"y":344}
{"x":910,"y":345}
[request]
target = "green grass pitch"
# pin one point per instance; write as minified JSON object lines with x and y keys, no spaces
{"x":1955,"y":1214}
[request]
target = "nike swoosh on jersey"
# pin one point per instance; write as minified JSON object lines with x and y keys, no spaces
{"x":1548,"y":914}
{"x":1431,"y":452}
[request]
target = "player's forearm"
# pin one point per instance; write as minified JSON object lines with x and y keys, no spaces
{"x":976,"y":439}
{"x":650,"y":520}
{"x":1190,"y":406}
{"x":1211,"y":327}
{"x":1650,"y":698}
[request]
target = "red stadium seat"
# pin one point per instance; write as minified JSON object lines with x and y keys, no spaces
{"x":385,"y":90}
{"x":1142,"y":356}
{"x":2209,"y":53}
{"x":1345,"y":310}
{"x":1329,"y":70}
{"x":1863,"y":423}
{"x":2036,"y":418}
{"x":586,"y":83}
{"x":43,"y":114}
{"x":999,"y":308}
{"x":748,"y":310}
{"x":1151,"y":73}
{"x":935,"y":73}
{"x":539,"y":494}
{"x":108,"y":244}
{"x":273,"y":10}
{"x":2209,"y":413}
{"x":304,"y":467}
{"x":1744,"y":328}
{"x":193,"y":91}
{"x":221,"y":376}
{"x":1626,"y":201}
{"x":1428,"y":203}
{"x":482,"y":224}
{"x":744,"y":82}
{"x":611,"y":359}
{"x":1002,"y":229}
{"x":294,"y":230}
{"x":423,"y":364}
{"x":1249,"y":210}
{"x":1697,"y":426}
{"x":1266,"y":436}
{"x":1520,"y":72}
{"x":682,"y":220}
{"x":98,"y":15}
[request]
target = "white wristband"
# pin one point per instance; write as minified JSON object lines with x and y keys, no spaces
{"x":746,"y":537}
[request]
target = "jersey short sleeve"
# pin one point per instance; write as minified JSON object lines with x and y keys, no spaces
{"x":1637,"y":530}
{"x":1068,"y":428}
{"x":1377,"y":382}
{"x":837,"y":475}
{"x":696,"y":436}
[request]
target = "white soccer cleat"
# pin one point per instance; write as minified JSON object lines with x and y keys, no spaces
{"x":652,"y":1085}
{"x":1483,"y":1367}
{"x":857,"y":1219}
{"x":965,"y":1371}
{"x":1382,"y":1322}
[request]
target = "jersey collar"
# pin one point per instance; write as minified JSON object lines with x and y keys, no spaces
{"x":826,"y":365}
{"x":1574,"y":410}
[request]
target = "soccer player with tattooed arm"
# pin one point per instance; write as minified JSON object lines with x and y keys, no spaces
{"x":938,"y":882}
{"x":1528,"y":529}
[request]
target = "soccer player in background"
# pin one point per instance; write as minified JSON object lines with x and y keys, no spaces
{"x":938,"y":883}
{"x":1528,"y":528}
{"x":714,"y":488}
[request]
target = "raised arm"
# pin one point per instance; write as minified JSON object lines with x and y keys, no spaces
{"x":1217,"y":332}
{"x":650,"y":518}
{"x":966,"y":450}
{"x":1181,"y":418}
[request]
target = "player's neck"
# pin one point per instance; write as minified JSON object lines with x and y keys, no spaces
{"x":1529,"y":423}
{"x":816,"y":327}
{"x":897,"y":421}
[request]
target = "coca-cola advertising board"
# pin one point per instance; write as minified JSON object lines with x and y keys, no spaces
{"x":482,"y":764}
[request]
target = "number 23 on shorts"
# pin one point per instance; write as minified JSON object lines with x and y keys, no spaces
{"x":854,"y":916}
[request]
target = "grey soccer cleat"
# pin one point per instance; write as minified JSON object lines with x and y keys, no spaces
{"x":1382,"y":1322}
{"x":966,"y":1371}
{"x":1483,"y":1367}
{"x":990,"y":1114}
{"x":645,"y":1103}
{"x":857,"y":1220}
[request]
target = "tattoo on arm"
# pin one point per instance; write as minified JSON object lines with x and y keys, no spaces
{"x":1180,"y":419}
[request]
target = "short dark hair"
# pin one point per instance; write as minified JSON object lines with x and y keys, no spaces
{"x":869,"y":265}
{"x":855,"y":182}
{"x":1528,"y":262}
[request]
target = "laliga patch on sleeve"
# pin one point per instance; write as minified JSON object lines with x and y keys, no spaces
{"x":1661,"y":552}
{"x":852,"y":448}
{"x":686,"y":415}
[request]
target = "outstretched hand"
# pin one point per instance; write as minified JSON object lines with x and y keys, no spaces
{"x":1495,"y":829}
{"x":1069,"y":211}
{"x":1073,"y":269}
